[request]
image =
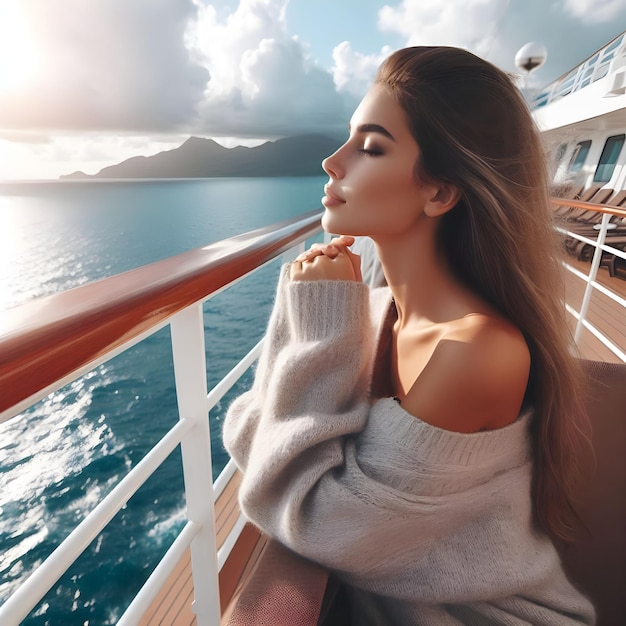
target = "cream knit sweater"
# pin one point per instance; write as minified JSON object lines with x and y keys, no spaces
{"x":434,"y":526}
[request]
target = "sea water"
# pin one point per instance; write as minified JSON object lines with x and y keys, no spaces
{"x":58,"y":459}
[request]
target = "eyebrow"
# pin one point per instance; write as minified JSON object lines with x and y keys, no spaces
{"x":374,"y":128}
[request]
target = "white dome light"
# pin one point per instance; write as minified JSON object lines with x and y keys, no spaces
{"x":531,"y":56}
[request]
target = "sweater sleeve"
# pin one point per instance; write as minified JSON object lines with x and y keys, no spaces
{"x":294,"y":435}
{"x":314,"y":366}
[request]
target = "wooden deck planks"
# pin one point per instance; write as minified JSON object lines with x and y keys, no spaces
{"x":173,"y":600}
{"x":227,"y":509}
{"x":237,"y":570}
{"x":173,"y":605}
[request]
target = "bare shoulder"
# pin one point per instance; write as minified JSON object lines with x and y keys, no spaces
{"x":476,"y":377}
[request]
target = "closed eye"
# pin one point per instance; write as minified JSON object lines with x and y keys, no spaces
{"x":370,"y":152}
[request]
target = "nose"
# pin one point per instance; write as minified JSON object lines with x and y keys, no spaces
{"x":332,"y":165}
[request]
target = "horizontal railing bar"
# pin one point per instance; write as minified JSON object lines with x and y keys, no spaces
{"x":610,"y":294}
{"x":596,"y":285}
{"x":35,"y":587}
{"x":45,"y":340}
{"x":229,"y":543}
{"x":591,"y":206}
{"x":87,"y":367}
{"x":156,"y":581}
{"x":596,"y":333}
{"x":24,"y":404}
{"x":223,"y":479}
{"x":584,"y":277}
{"x":594,"y":242}
{"x":578,"y":236}
{"x":605,"y":340}
{"x":612,"y":250}
{"x":220,"y":390}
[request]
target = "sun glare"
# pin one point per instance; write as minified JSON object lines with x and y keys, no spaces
{"x":18,"y":52}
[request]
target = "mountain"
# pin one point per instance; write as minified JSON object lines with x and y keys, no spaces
{"x":300,"y":155}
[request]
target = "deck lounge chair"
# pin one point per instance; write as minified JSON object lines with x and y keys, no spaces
{"x":587,"y":225}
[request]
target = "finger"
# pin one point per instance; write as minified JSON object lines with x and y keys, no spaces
{"x":295,"y":269}
{"x":309,"y":255}
{"x":329,"y":250}
{"x":332,"y":251}
{"x":342,"y":240}
{"x":355,"y":261}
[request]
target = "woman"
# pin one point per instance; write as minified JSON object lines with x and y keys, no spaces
{"x":419,"y":441}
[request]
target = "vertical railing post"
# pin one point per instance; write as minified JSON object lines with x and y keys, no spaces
{"x":290,"y":254}
{"x":593,"y":273}
{"x":188,"y":350}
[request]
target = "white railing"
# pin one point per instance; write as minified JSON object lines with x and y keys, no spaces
{"x":193,"y":435}
{"x":591,"y":283}
{"x":595,"y":67}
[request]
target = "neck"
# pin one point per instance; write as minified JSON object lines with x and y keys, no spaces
{"x":424,"y":289}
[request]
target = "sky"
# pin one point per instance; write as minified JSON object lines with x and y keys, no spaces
{"x":88,"y":83}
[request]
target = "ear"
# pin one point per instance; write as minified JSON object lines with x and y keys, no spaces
{"x":443,"y":198}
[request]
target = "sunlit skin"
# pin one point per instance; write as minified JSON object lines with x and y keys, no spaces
{"x":454,"y":362}
{"x":374,"y":169}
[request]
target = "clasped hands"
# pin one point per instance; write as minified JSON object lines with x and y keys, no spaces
{"x":330,"y":261}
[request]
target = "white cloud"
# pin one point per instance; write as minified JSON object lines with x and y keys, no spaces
{"x":114,"y":65}
{"x":470,"y":24}
{"x":263,"y":83}
{"x":594,"y":11}
{"x":151,"y":66}
{"x":353,"y":72}
{"x":148,"y":67}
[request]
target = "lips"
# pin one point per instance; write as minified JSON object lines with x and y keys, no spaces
{"x":332,"y":197}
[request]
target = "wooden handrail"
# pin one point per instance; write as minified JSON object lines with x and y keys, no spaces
{"x":592,"y":206}
{"x":46,"y":340}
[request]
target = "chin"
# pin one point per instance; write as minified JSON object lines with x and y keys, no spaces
{"x":328,"y":223}
{"x":335,"y":226}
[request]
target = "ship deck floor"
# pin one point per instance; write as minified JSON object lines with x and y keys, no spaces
{"x":173,"y":606}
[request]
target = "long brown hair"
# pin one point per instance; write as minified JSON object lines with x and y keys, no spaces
{"x":475,"y":132}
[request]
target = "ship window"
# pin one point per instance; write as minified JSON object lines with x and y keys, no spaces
{"x":541,"y":99}
{"x":560,"y":153}
{"x":584,"y":79}
{"x":614,"y":45}
{"x":609,"y":52}
{"x":567,"y":83}
{"x":608,"y":57}
{"x":579,"y":155}
{"x":608,"y":159}
{"x":602,"y":71}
